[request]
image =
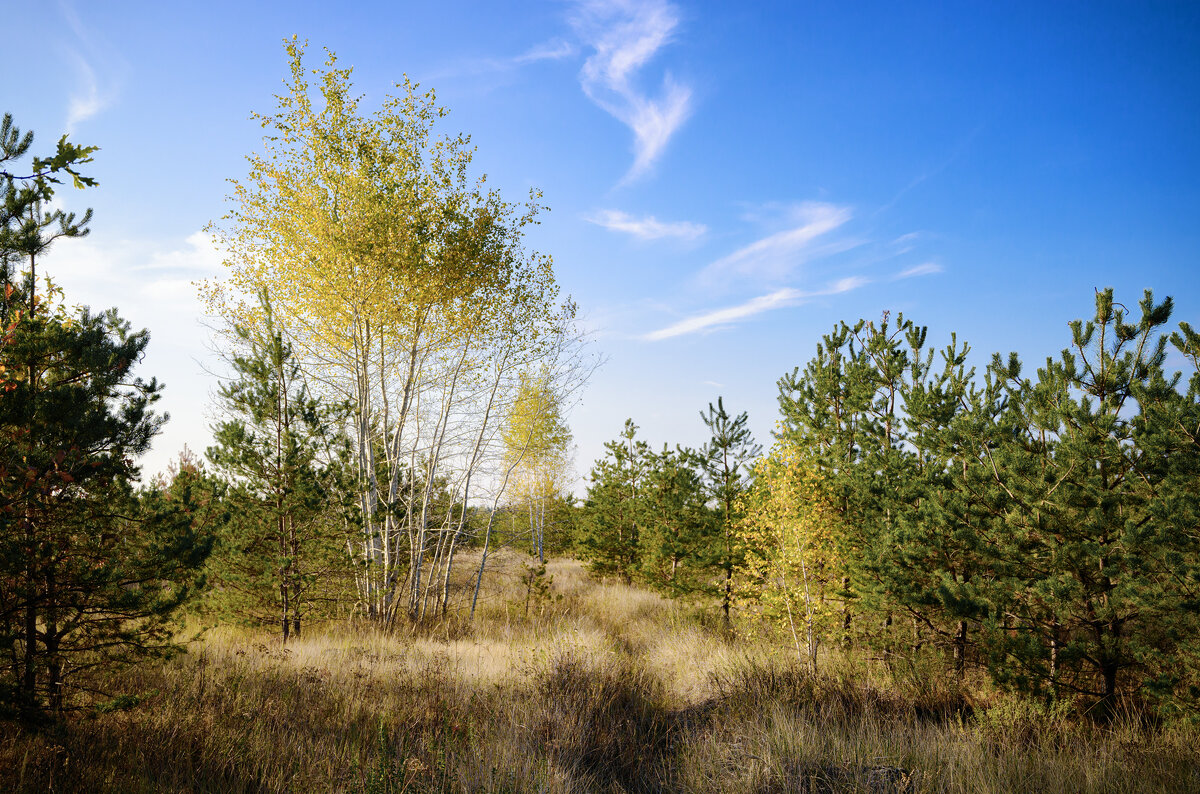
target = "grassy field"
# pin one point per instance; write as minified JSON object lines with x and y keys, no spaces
{"x":601,"y":687}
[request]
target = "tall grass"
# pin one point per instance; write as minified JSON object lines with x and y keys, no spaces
{"x":600,"y":687}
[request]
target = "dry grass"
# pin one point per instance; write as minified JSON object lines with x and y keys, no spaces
{"x":604,"y":687}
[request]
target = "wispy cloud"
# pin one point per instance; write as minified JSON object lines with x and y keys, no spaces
{"x":955,"y":153}
{"x":647,"y":228}
{"x":85,"y":100}
{"x":625,"y":35}
{"x":553,"y":50}
{"x":93,"y":92}
{"x":923,"y":269}
{"x":774,"y":257}
{"x":906,"y":242}
{"x":778,"y":299}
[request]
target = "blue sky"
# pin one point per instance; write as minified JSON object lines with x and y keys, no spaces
{"x":726,"y":180}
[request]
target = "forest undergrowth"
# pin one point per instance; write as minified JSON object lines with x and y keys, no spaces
{"x":581,"y":686}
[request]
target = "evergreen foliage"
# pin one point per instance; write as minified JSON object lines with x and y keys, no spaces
{"x":1044,"y":527}
{"x":678,"y":533}
{"x":279,"y":450}
{"x":650,"y":517}
{"x":90,"y":574}
{"x":615,"y":509}
{"x":1095,"y":555}
{"x":725,"y":460}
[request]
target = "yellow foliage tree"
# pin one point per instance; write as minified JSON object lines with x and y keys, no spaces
{"x":789,"y":576}
{"x":404,"y":287}
{"x":537,"y":445}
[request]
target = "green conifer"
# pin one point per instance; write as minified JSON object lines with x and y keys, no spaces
{"x":278,"y":449}
{"x":90,"y":575}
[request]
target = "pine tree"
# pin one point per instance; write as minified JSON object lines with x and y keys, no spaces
{"x":725,"y":459}
{"x":678,"y":530}
{"x":89,"y":574}
{"x":1095,"y":570}
{"x":280,"y":540}
{"x":615,"y":506}
{"x":845,"y":411}
{"x":1047,"y":523}
{"x":876,"y":416}
{"x":929,"y":560}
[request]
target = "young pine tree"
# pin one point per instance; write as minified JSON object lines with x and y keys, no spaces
{"x":725,"y":460}
{"x":280,"y":539}
{"x":614,"y":512}
{"x":1095,"y":571}
{"x":678,"y":530}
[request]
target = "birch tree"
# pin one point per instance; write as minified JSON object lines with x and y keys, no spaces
{"x":790,"y":569}
{"x":537,"y":442}
{"x":405,"y":288}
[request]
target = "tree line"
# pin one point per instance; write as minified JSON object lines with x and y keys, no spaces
{"x":1041,"y":526}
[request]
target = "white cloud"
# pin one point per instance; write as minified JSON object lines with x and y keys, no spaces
{"x":844,"y":285}
{"x":719,"y":317}
{"x":151,"y":286}
{"x":906,"y":242}
{"x":923,"y":269}
{"x":778,"y":299}
{"x":553,"y":50}
{"x":94,"y":91}
{"x":198,"y":256}
{"x":154,"y":286}
{"x":647,"y":228}
{"x":626,"y":35}
{"x":774,"y":257}
{"x":86,"y":101}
